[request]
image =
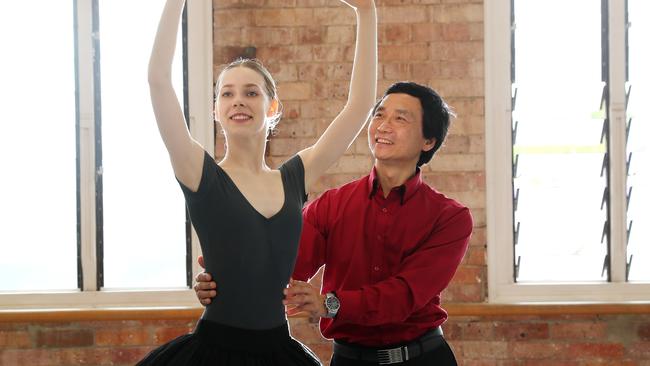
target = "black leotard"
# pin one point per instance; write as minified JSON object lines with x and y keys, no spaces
{"x":249,"y":256}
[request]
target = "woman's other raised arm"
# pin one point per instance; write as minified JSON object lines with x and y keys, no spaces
{"x":185,"y":153}
{"x":361,"y":97}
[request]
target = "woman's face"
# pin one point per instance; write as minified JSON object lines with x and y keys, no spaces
{"x":242,"y":105}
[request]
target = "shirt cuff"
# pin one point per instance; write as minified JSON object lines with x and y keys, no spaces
{"x":351,"y":306}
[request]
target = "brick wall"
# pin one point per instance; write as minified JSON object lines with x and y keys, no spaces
{"x":308,"y":46}
{"x":549,"y":340}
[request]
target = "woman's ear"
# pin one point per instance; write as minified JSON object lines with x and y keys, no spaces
{"x":273,"y":108}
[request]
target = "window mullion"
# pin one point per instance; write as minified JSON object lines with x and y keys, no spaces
{"x":617,"y":141}
{"x":86,"y":143}
{"x":498,"y":132}
{"x":199,"y":88}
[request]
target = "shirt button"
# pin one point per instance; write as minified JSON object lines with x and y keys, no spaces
{"x":378,"y":237}
{"x":384,"y":209}
{"x":376,"y":268}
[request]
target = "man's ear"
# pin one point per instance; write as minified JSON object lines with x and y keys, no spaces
{"x":428,"y":144}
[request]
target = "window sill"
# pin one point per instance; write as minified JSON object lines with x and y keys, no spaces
{"x":455,"y":310}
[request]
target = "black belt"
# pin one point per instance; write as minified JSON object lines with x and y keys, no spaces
{"x":429,"y":341}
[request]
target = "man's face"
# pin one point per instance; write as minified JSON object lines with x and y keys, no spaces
{"x":395,"y":130}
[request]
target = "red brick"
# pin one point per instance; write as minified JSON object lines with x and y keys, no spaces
{"x":341,"y":34}
{"x":311,"y":35}
{"x":64,"y":338}
{"x":476,"y":330}
{"x":475,"y":256}
{"x":85,"y":356}
{"x":31,"y":357}
{"x":394,"y":33}
{"x":163,"y":335}
{"x":482,"y":349}
{"x":578,"y":330}
{"x":521,"y":331}
{"x":456,"y":182}
{"x":479,"y":236}
{"x":469,"y":275}
{"x":15,"y":339}
{"x":124,"y":336}
{"x":644,"y":332}
{"x":284,"y":17}
{"x":542,"y":350}
{"x":463,"y":293}
{"x":586,"y":351}
{"x":128,"y":356}
{"x":639,"y":350}
{"x":232,"y":18}
{"x":270,"y":36}
{"x":297,"y":90}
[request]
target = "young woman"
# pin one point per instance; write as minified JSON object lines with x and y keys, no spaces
{"x":248,"y":216}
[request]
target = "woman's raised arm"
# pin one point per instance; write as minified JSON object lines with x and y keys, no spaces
{"x":185,"y":153}
{"x":361,"y":98}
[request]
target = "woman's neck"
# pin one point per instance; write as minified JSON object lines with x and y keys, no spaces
{"x":245,"y":153}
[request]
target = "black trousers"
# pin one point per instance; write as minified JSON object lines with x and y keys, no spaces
{"x":440,"y":356}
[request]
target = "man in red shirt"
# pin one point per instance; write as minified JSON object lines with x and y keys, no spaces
{"x":390,"y":244}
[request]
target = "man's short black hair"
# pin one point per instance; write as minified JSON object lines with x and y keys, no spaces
{"x":436,"y":114}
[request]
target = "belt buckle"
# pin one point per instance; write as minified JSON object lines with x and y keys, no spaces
{"x":392,"y":355}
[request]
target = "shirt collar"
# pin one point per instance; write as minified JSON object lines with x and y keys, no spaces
{"x":406,"y":190}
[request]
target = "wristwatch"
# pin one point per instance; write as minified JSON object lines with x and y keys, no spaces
{"x":332,"y":304}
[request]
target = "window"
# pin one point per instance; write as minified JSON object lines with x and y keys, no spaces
{"x":638,"y":145}
{"x":94,"y":215}
{"x":143,"y":214}
{"x":559,"y":153}
{"x":37,"y":148}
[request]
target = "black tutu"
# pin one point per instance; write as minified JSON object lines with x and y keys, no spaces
{"x":214,"y":344}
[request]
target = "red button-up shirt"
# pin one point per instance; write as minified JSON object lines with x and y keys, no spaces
{"x":387,"y":259}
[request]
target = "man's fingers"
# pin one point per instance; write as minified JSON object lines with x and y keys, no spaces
{"x":203,"y":277}
{"x":201,"y":262}
{"x":300,"y":289}
{"x":299,"y":300}
{"x":295,"y":310}
{"x":206,"y":294}
{"x":205,"y":286}
{"x":297,"y":292}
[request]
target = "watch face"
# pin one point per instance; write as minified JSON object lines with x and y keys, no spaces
{"x":332,"y":303}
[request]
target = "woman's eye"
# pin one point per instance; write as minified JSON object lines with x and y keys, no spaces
{"x":226,"y":94}
{"x":252,"y":93}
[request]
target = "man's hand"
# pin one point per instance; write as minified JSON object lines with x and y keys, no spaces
{"x":205,"y":288}
{"x":301,"y":296}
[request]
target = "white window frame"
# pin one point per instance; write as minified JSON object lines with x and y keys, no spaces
{"x":499,"y":195}
{"x":200,"y":63}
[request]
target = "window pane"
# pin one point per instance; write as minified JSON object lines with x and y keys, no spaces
{"x":38,"y":230}
{"x":558,"y":148}
{"x":144,"y":217}
{"x":638,"y":142}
